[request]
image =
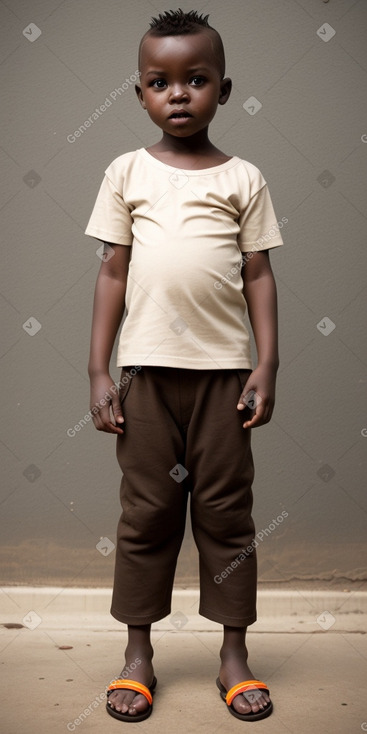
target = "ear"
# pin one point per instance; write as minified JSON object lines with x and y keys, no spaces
{"x":139,"y":94}
{"x":225,"y":90}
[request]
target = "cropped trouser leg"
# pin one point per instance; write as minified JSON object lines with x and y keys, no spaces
{"x":220,"y":462}
{"x":186,"y":417}
{"x":152,"y":524}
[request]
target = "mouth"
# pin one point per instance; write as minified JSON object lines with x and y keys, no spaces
{"x":179,"y":115}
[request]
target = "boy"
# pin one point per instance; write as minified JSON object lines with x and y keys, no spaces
{"x":192,"y":220}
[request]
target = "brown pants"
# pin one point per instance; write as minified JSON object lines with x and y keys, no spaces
{"x":184,"y":417}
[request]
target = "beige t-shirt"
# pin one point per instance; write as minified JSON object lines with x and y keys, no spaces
{"x":190,"y":232}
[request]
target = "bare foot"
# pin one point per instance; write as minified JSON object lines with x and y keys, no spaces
{"x":234,"y":670}
{"x":138,"y":667}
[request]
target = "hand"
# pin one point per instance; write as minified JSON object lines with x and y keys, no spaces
{"x":104,"y":397}
{"x":259,"y":395}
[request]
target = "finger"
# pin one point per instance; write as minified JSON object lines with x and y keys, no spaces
{"x":103,"y":421}
{"x":117,"y":414}
{"x":115,"y":428}
{"x":253,"y":422}
{"x":258,"y":409}
{"x":261,"y":415}
{"x":248,"y":390}
{"x":249,"y":398}
{"x":97,"y":421}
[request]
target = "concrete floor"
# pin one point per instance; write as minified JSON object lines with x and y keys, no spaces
{"x":317,"y":681}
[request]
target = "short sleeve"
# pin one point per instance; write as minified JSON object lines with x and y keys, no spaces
{"x":259,"y":229}
{"x":111,"y":219}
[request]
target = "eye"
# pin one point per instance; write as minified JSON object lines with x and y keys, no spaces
{"x":198,"y":80}
{"x":158,"y":83}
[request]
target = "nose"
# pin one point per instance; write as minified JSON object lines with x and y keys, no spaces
{"x":178,"y":92}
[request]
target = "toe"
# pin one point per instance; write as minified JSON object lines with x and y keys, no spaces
{"x":245,"y":704}
{"x":240,"y":704}
{"x":121,"y":700}
{"x":112,"y":699}
{"x":262,"y":702}
{"x":138,"y":705}
{"x":128,"y":702}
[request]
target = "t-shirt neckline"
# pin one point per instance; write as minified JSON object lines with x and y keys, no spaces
{"x":189,"y":171}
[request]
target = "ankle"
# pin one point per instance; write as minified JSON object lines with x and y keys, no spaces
{"x":229,"y":652}
{"x":140,"y":651}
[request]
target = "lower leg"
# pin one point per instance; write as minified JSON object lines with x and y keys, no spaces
{"x":138,"y":666}
{"x":234,"y":669}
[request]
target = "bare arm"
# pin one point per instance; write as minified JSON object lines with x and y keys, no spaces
{"x":259,"y":290}
{"x":108,"y":309}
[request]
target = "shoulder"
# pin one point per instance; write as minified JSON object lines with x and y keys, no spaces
{"x":252,"y":173}
{"x":122,"y":166}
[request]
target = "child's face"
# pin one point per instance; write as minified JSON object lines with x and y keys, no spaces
{"x":181,"y":73}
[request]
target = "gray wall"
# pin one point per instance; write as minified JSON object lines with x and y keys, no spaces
{"x":60,"y":493}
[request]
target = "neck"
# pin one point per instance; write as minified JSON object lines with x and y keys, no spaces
{"x":198,"y":143}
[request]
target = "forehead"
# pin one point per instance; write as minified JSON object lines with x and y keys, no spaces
{"x":196,"y":49}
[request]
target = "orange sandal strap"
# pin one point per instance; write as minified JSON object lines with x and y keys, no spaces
{"x":132,"y":685}
{"x":246,"y":685}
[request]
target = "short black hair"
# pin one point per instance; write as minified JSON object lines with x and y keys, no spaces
{"x":175,"y":22}
{"x":178,"y":23}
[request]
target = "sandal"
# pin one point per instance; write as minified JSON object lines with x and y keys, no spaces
{"x":246,"y":685}
{"x":131,"y":685}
